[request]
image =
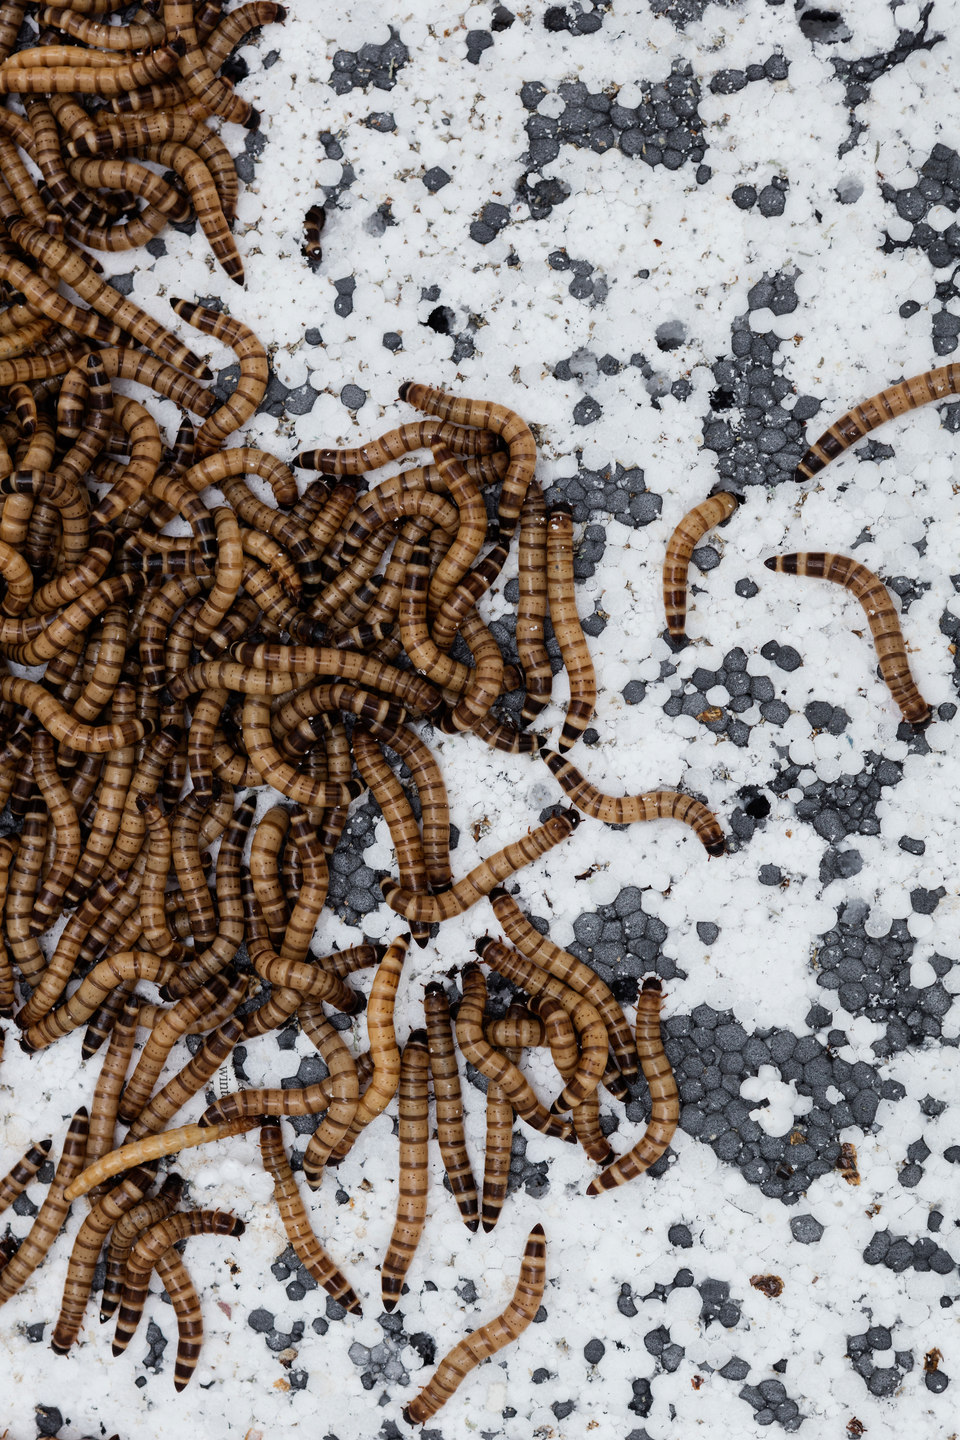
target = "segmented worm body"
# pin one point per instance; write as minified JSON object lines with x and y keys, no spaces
{"x":664,"y":1097}
{"x":886,"y":405}
{"x":448,"y":1100}
{"x":626,"y":809}
{"x":703,"y":517}
{"x":567,"y":629}
{"x":882,"y":616}
{"x":482,"y":1343}
{"x":412,"y":1185}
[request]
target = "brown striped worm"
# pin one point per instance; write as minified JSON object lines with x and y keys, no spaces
{"x":214,"y":93}
{"x":664,"y":1097}
{"x":296,"y":1221}
{"x":105,"y":1105}
{"x":398,"y":813}
{"x":415,"y":435}
{"x":342,"y":1083}
{"x":562,"y":1039}
{"x":413,"y":1179}
{"x":51,"y":1214}
{"x":493,"y":1336}
{"x":515,"y":1086}
{"x":566,"y":627}
{"x":497,"y":1150}
{"x":311,"y":249}
{"x":483,"y":877}
{"x":124,"y":1235}
{"x":882,"y":617}
{"x":532,"y":604}
{"x":175,"y":1279}
{"x":383,"y":1043}
{"x":17,"y":1179}
{"x":715,"y":510}
{"x":886,"y":405}
{"x":105,"y":80}
{"x":254,"y":371}
{"x":448,"y":1101}
{"x":485,"y":415}
{"x":569,"y":971}
{"x":154,"y":1242}
{"x":518,"y":1029}
{"x":624,"y":810}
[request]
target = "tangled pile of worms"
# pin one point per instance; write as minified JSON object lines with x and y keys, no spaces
{"x":171,"y":639}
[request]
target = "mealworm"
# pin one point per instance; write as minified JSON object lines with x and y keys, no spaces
{"x":121,"y":132}
{"x":69,"y":946}
{"x":342,"y":1083}
{"x":8,"y":850}
{"x":101,"y":1023}
{"x":415,"y":435}
{"x":881,"y":614}
{"x":233,"y":28}
{"x":703,"y":517}
{"x":624,"y":810}
{"x":175,"y":1279}
{"x":254,"y":372}
{"x":184,"y":1016}
{"x":86,"y":1253}
{"x":594,"y":1041}
{"x":153,"y":1243}
{"x":16,"y":1180}
{"x":314,"y":882}
{"x":448,"y":1101}
{"x":566,"y":627}
{"x":274,"y":769}
{"x":483,"y":877}
{"x":886,"y":405}
{"x":110,"y":1082}
{"x":296,"y":1221}
{"x":153,"y":1147}
{"x":267,"y":843}
{"x":518,"y":1029}
{"x":487,"y":416}
{"x":311,"y":249}
{"x":142,"y":36}
{"x":562,"y":1039}
{"x":105,"y":80}
{"x":214,"y":93}
{"x":63,"y":818}
{"x":93,"y":989}
{"x":213,"y":1053}
{"x":397,"y":812}
{"x":124,"y":1236}
{"x":569,"y":971}
{"x":498,"y":1149}
{"x":413,"y":1177}
{"x":664,"y":1096}
{"x":499,"y":735}
{"x":515,"y":1086}
{"x":52,"y":1213}
{"x":493,"y":1336}
{"x":383,"y":1043}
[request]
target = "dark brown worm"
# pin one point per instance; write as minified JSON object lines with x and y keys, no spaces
{"x":182,"y":1018}
{"x":53,"y":1212}
{"x":383,"y":1043}
{"x":416,"y":435}
{"x":312,"y":251}
{"x":215,"y":94}
{"x":532,"y":604}
{"x":626,"y":809}
{"x":518,"y":1029}
{"x":562,"y":1039}
{"x":254,"y":372}
{"x":110,"y":1082}
{"x":448,"y":1101}
{"x":681,"y":545}
{"x":86,"y":1252}
{"x":515,"y":1086}
{"x":93,"y":990}
{"x":153,"y":1243}
{"x":124,"y":1237}
{"x":344,"y":1087}
{"x":483,"y":877}
{"x":175,"y":1279}
{"x":389,"y":794}
{"x":296,"y":1221}
{"x":275,"y":771}
{"x":109,"y":37}
{"x":505,"y":1327}
{"x":213,"y":1053}
{"x":265,"y":850}
{"x":17,"y":1179}
{"x":413,"y":1179}
{"x":569,"y":971}
{"x":664,"y":1097}
{"x":885,"y":405}
{"x":485,"y":415}
{"x":265,"y":670}
{"x":882,"y":616}
{"x":497,"y":1150}
{"x":584,"y":1015}
{"x":574,"y":650}
{"x":105,"y":80}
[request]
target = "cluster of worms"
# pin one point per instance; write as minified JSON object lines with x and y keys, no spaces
{"x":869,"y":589}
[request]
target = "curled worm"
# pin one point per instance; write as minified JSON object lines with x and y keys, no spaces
{"x":881,"y":614}
{"x":681,"y":545}
{"x":896,"y":400}
{"x":569,"y":635}
{"x":505,"y":1327}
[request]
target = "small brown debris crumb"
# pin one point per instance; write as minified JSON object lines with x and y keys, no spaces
{"x":709,"y":717}
{"x":856,"y":1427}
{"x":697,"y":1381}
{"x":797,"y":1137}
{"x":479,"y":828}
{"x":227,"y":1309}
{"x":931,"y":1361}
{"x":769,"y":1285}
{"x":847,"y":1163}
